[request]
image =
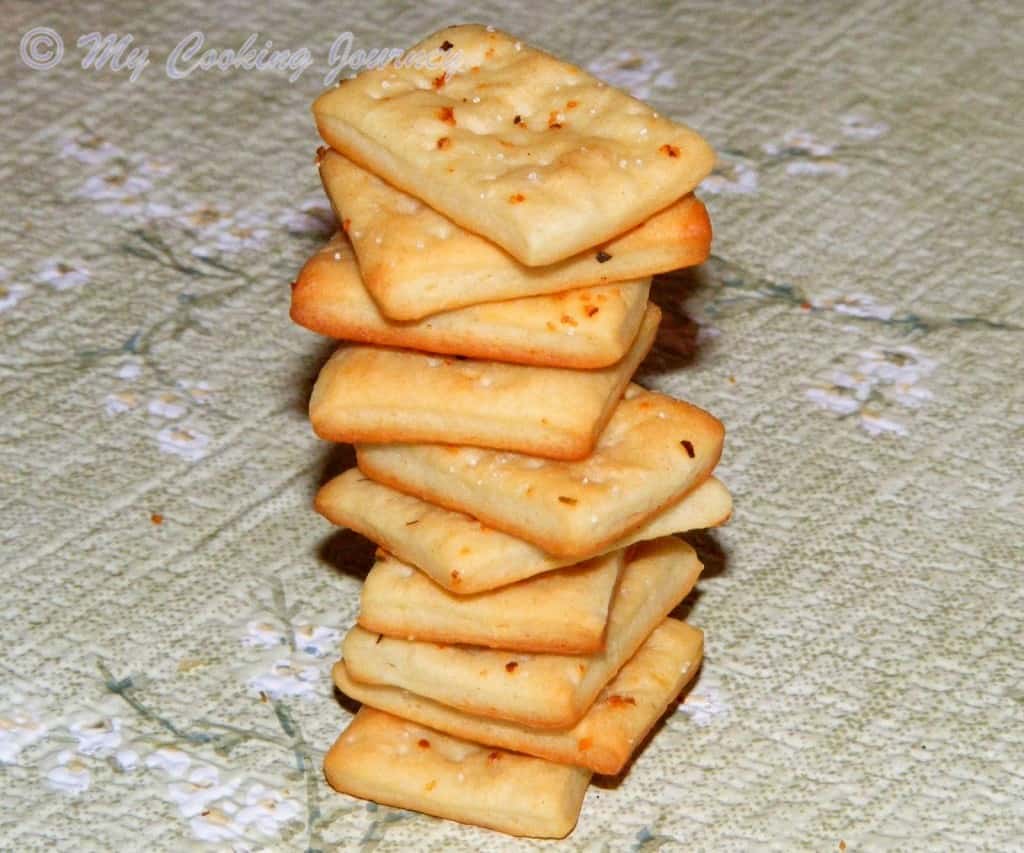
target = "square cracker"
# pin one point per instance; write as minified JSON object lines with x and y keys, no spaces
{"x":564,"y":611}
{"x":463,"y":555}
{"x":588,"y":328}
{"x":416,"y":262}
{"x":532,"y":153}
{"x":399,"y":763}
{"x":537,"y":690}
{"x":602,"y":741}
{"x":653,"y":450}
{"x":375,"y":394}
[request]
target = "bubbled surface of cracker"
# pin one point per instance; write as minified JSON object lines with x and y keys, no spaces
{"x":563,"y":611}
{"x":377,"y":394}
{"x":653,"y":450}
{"x":607,"y":735}
{"x":540,"y":157}
{"x":417,"y":262}
{"x":396,"y":762}
{"x":584,"y":329}
{"x":539,"y":690}
{"x":465,"y":556}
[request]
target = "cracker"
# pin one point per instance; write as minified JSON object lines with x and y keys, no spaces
{"x":537,"y":690}
{"x":464,"y":556}
{"x":530,"y":152}
{"x":416,"y":262}
{"x":399,"y":763}
{"x":564,"y":611}
{"x":602,"y":741}
{"x":653,"y":451}
{"x":583,"y":329}
{"x":375,"y":394}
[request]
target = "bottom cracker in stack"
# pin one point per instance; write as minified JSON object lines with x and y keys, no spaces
{"x":495,"y":675}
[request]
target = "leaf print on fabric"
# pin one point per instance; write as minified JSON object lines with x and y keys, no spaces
{"x":218,"y":803}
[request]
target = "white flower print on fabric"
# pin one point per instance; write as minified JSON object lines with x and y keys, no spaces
{"x":872,"y":388}
{"x":181,"y":441}
{"x":637,"y":73}
{"x":731,"y":177}
{"x":10,"y":294}
{"x":61,"y":275}
{"x":18,"y":730}
{"x":861,"y":128}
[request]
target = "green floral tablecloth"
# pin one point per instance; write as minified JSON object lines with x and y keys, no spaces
{"x":171,"y":605}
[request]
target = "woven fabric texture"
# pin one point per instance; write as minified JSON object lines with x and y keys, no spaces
{"x":171,"y":604}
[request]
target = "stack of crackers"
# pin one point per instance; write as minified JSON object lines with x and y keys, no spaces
{"x":501,"y":219}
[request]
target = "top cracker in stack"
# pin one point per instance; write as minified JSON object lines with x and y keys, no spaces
{"x":530,"y":152}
